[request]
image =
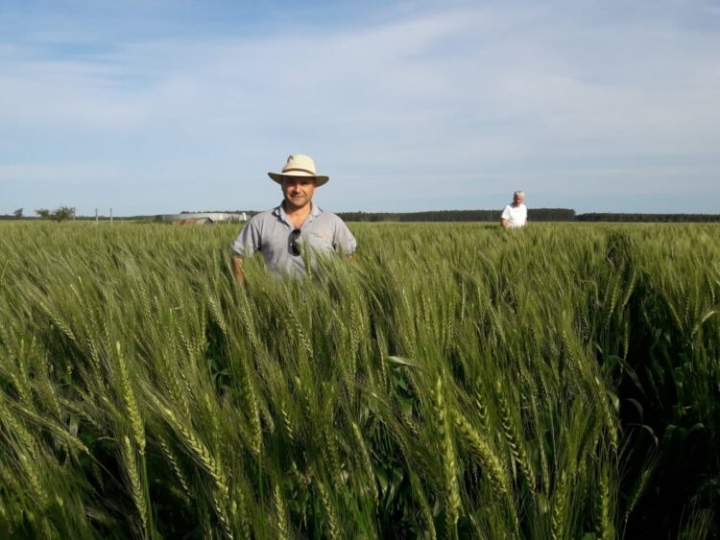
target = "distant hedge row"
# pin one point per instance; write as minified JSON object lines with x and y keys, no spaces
{"x":534,"y":214}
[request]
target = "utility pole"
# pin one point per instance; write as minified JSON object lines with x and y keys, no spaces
{"x":96,"y":217}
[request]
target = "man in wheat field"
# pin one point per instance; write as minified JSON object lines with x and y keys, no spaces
{"x":296,"y":228}
{"x":515,"y":214}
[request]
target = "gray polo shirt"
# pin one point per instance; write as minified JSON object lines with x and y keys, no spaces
{"x":269,"y":233}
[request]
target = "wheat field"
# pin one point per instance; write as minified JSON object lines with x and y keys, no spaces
{"x":453,"y":381}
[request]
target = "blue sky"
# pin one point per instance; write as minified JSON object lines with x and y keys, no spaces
{"x":160,"y":106}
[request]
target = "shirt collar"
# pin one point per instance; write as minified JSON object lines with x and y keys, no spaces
{"x":279,"y":211}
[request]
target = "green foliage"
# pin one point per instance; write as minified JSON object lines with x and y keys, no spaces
{"x":454,"y":381}
{"x":62,"y":213}
{"x":439,"y":216}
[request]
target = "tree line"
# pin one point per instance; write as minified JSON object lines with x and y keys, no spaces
{"x":534,"y":215}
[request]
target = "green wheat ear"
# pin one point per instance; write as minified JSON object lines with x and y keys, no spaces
{"x":489,"y":462}
{"x":138,"y":427}
{"x":452,"y":490}
{"x":136,"y":484}
{"x":515,"y":443}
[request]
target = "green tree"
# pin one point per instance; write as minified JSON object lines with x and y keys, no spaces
{"x":59,"y":214}
{"x":63,"y":213}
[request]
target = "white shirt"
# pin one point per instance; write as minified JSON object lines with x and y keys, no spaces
{"x":516,"y":216}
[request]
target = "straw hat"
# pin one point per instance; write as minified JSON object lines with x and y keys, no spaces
{"x":301,"y":166}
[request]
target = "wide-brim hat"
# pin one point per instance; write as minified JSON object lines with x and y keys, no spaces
{"x":301,"y":166}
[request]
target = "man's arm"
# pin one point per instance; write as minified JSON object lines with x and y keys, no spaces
{"x":247,"y":243}
{"x":343,"y":240}
{"x":237,"y":269}
{"x":505,"y":218}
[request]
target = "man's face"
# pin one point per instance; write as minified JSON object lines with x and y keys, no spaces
{"x":298,"y":191}
{"x":518,"y":199}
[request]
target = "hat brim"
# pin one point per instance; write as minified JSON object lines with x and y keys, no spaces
{"x":319,"y":178}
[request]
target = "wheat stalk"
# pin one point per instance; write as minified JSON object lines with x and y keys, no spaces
{"x":280,"y":514}
{"x":514,"y":442}
{"x":488,"y":460}
{"x":453,"y":502}
{"x":333,"y":525}
{"x":138,"y":493}
{"x":558,"y":509}
{"x":176,"y":468}
{"x":136,"y":422}
{"x":606,"y":529}
{"x":365,"y":461}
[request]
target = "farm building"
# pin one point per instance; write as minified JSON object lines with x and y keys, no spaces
{"x":201,"y":218}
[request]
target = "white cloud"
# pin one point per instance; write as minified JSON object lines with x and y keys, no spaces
{"x":543,"y":95}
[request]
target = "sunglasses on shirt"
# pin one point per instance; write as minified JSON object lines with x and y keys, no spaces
{"x":294,"y":243}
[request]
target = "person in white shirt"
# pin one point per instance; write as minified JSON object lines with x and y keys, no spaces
{"x":515,"y":214}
